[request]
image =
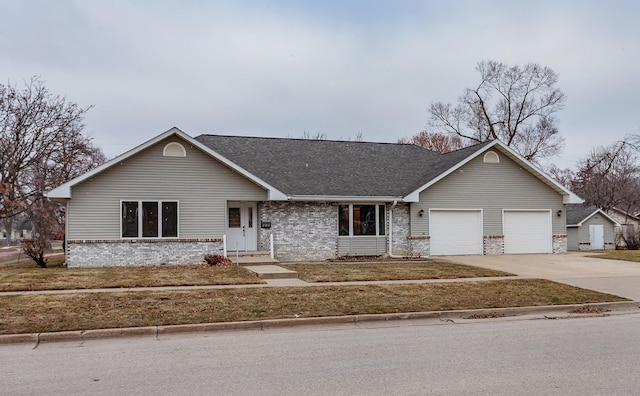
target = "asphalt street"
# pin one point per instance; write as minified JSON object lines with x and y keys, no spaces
{"x":582,"y":356}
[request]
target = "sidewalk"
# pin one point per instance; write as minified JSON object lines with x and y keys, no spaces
{"x":291,"y":282}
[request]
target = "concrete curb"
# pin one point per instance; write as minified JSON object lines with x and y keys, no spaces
{"x":445,"y":316}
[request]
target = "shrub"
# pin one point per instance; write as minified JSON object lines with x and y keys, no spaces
{"x":632,"y":240}
{"x":36,"y":248}
{"x":218,"y":260}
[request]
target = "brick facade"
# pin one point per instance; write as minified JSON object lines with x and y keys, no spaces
{"x":136,"y":253}
{"x":420,"y":246}
{"x":302,"y":231}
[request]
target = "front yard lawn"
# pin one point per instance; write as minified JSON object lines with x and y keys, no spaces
{"x":409,"y":270}
{"x":18,"y":277}
{"x":35,"y":313}
{"x":627,"y":255}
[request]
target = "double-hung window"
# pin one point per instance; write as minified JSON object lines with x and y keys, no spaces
{"x":149,"y":219}
{"x":357,"y":219}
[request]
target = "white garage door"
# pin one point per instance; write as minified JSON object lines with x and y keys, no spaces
{"x":455,"y":231}
{"x":527,"y":231}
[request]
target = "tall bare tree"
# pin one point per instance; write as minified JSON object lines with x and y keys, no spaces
{"x":511,"y":103}
{"x":610,"y":177}
{"x":434,"y":141}
{"x":41,"y":146}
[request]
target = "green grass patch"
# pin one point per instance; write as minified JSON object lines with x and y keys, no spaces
{"x":409,"y":270}
{"x":82,"y":311}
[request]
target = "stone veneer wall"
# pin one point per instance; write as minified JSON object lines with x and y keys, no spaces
{"x":420,"y":246}
{"x":137,"y":252}
{"x":493,"y":245}
{"x":559,"y":244}
{"x":401,"y":229}
{"x":587,"y":246}
{"x":301,"y":230}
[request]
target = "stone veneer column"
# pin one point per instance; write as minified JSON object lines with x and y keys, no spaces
{"x":560,"y":244}
{"x":401,"y":228}
{"x":493,"y":245}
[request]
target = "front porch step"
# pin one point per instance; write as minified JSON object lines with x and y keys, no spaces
{"x":252,"y":258}
{"x":271,"y":271}
{"x":250,"y":253}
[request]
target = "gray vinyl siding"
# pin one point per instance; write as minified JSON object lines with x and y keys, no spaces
{"x":583,"y":231}
{"x":492,"y":188}
{"x":572,"y":238}
{"x":200,"y":184}
{"x":362,"y":246}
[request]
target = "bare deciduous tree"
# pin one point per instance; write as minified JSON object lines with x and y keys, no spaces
{"x":513,"y":104}
{"x":41,"y":146}
{"x":610,"y":177}
{"x":434,"y":141}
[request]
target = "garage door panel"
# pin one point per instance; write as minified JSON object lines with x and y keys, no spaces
{"x":527,"y":231}
{"x":455,"y":232}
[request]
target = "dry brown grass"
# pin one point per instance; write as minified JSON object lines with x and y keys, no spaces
{"x":409,"y":270}
{"x":626,"y":255}
{"x":20,"y":277}
{"x":82,"y":311}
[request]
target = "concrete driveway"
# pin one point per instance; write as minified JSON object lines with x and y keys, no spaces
{"x":621,"y":278}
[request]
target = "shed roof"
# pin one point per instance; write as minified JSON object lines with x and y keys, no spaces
{"x":578,"y":214}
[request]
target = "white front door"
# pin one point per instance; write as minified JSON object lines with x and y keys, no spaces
{"x":241,"y":226}
{"x":596,"y":236}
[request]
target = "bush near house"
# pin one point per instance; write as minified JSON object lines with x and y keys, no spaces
{"x":218,"y":260}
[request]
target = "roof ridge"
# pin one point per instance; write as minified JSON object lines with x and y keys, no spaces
{"x":310,"y":140}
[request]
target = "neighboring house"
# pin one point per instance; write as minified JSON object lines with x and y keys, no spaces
{"x":175,"y":198}
{"x":589,"y":228}
{"x":21,"y":229}
{"x":628,"y":225}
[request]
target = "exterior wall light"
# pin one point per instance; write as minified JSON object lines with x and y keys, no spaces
{"x":421,"y":212}
{"x":559,"y":213}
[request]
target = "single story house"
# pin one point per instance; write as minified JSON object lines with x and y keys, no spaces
{"x":175,"y":198}
{"x":589,"y":228}
{"x":21,"y":229}
{"x":629,"y":225}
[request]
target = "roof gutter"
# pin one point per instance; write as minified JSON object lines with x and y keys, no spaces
{"x":342,"y":198}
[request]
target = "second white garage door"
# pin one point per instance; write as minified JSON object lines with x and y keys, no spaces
{"x":455,"y":232}
{"x":527,"y":231}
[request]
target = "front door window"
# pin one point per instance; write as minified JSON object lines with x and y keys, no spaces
{"x":241,"y":233}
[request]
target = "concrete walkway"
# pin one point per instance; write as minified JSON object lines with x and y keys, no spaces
{"x":621,"y":278}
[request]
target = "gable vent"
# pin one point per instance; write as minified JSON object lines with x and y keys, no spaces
{"x":174,"y":149}
{"x":491,"y":157}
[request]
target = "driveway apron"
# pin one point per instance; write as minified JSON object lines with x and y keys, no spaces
{"x":621,"y":278}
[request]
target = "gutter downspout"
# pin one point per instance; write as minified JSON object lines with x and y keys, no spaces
{"x":391,"y":231}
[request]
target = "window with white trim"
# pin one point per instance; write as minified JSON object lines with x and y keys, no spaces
{"x":358,"y":219}
{"x":149,"y":219}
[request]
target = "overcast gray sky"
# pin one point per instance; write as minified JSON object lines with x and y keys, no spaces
{"x":280,"y":68}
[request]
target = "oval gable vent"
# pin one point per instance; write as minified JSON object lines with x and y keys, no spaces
{"x":174,"y":149}
{"x":491,"y":157}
